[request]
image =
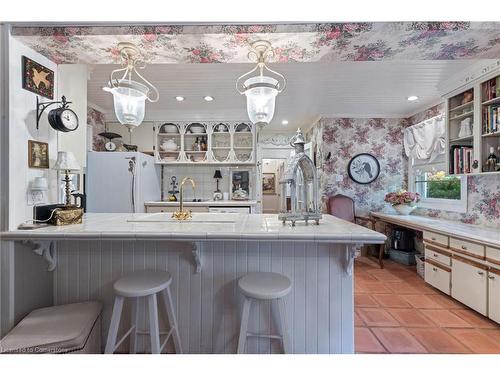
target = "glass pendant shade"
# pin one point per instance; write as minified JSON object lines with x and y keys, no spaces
{"x":129,"y":101}
{"x":261,"y":92}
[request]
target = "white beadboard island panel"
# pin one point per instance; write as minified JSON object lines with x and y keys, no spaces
{"x":319,"y":308}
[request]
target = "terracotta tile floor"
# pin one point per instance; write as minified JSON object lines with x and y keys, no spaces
{"x":397,"y":312}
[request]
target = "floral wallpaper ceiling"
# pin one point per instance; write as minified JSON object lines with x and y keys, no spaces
{"x":366,"y":41}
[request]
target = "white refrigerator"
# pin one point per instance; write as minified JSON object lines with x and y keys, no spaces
{"x":121,"y":181}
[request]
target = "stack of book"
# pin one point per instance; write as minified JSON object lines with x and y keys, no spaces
{"x":490,"y":88}
{"x":491,"y":119}
{"x":461,"y":158}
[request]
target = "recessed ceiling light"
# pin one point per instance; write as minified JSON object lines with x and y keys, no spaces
{"x":179,"y":98}
{"x":208,"y":98}
{"x":412,"y":98}
{"x":284,"y":122}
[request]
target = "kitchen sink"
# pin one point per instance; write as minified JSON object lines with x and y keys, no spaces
{"x":198,"y":217}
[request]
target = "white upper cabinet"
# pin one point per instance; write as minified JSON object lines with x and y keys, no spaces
{"x":205,"y":143}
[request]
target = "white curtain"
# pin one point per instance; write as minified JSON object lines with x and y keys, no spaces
{"x":425,"y":140}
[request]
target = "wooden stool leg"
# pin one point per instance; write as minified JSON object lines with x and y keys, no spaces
{"x":381,"y":255}
{"x":134,"y":321}
{"x":154,"y":331}
{"x":244,"y":326}
{"x":114,"y":324}
{"x":172,"y":321}
{"x":284,"y":326}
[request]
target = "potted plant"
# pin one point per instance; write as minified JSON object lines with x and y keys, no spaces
{"x":404,"y":202}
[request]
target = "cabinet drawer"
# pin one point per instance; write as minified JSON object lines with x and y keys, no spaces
{"x":494,"y":294}
{"x":493,"y":255}
{"x":437,"y":238}
{"x":437,"y":255}
{"x":438,"y":277}
{"x":467,"y":248}
{"x":469,"y":283}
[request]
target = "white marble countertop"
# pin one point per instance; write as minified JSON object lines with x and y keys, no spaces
{"x":234,"y":227}
{"x":481,"y":234}
{"x":202,"y":203}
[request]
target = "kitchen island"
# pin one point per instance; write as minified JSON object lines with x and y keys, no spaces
{"x":206,"y":256}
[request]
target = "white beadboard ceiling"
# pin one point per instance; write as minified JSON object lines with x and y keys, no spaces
{"x":334,"y":89}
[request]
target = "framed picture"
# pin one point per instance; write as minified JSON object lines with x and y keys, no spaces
{"x":38,"y":154}
{"x":239,"y":184}
{"x":37,"y":78}
{"x":363,"y":168}
{"x":269,"y":183}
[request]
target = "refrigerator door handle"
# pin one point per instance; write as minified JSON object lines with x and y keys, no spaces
{"x":131,"y":169}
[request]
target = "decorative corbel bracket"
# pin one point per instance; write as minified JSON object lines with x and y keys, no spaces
{"x":46,"y":250}
{"x":352,"y":252}
{"x":196,"y":251}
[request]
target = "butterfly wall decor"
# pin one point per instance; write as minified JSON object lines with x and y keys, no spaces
{"x":38,"y":78}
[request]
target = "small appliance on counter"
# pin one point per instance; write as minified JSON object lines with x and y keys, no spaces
{"x":402,"y":246}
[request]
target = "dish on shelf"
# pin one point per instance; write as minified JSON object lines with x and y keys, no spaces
{"x":221,"y":128}
{"x":196,"y":128}
{"x":169,"y":128}
{"x":169,"y":158}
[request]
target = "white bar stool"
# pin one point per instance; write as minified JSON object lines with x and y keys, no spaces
{"x":147,"y":284}
{"x":264,"y":286}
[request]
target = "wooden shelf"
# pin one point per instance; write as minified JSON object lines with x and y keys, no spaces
{"x":462,"y":106}
{"x":463,"y":115}
{"x":492,"y":101}
{"x":495,"y":134}
{"x":469,"y":138}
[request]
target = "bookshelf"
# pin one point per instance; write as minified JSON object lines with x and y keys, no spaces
{"x":460,"y":132}
{"x":490,"y":120}
{"x":473,"y":127}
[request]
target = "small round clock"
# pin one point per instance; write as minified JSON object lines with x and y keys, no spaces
{"x":363,"y":168}
{"x":110,"y":146}
{"x":63,"y":119}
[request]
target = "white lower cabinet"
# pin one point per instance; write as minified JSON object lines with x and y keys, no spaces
{"x":438,"y":277}
{"x":469,"y":284}
{"x":494,"y":295}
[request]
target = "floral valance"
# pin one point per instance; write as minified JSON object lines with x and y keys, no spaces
{"x":425,"y":140}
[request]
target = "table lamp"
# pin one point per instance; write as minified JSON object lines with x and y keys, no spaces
{"x":66,"y":162}
{"x":217,"y":193}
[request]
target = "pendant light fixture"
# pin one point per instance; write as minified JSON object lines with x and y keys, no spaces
{"x":129,"y":95}
{"x":261,"y":90}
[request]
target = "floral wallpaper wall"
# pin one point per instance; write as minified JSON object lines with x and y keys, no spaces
{"x":353,"y":41}
{"x":339,"y":139}
{"x":95,"y":119}
{"x":483,"y":192}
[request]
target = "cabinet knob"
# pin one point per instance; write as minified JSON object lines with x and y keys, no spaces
{"x":435,"y":255}
{"x":433,"y":238}
{"x":480,"y":273}
{"x":434,"y":269}
{"x":464,"y":247}
{"x":491,"y":277}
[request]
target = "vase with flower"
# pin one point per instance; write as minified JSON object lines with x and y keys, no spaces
{"x":404,"y":202}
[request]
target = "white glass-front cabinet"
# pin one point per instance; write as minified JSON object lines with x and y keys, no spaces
{"x":469,"y":284}
{"x":205,"y":143}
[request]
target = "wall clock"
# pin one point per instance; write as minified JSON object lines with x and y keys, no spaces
{"x":63,"y":119}
{"x":363,"y":168}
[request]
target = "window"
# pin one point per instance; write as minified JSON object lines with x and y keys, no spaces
{"x":437,"y":189}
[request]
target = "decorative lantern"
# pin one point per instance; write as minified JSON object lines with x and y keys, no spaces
{"x":261,"y":90}
{"x":299,"y":186}
{"x":130,"y":96}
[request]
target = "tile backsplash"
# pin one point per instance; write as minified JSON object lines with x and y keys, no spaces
{"x":203,"y":178}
